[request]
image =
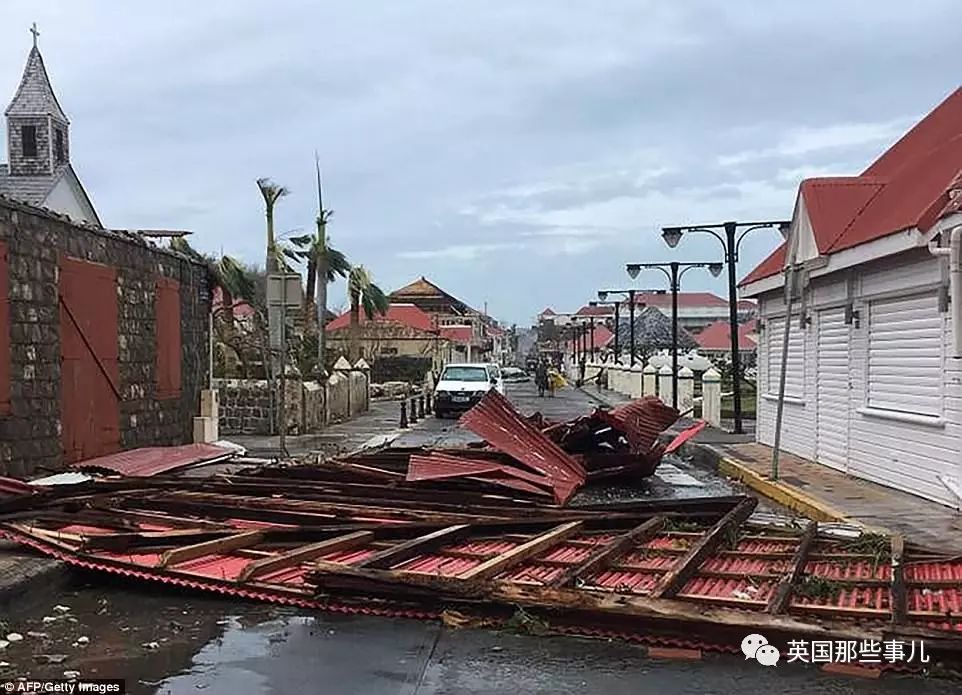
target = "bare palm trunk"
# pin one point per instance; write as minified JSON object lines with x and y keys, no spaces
{"x":354,"y":343}
{"x":271,"y":255}
{"x":321,"y":294}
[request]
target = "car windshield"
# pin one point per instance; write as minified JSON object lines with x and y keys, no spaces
{"x":465,"y":374}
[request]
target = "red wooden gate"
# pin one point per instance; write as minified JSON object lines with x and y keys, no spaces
{"x":88,"y":349}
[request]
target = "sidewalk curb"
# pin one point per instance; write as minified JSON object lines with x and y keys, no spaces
{"x":783,"y":494}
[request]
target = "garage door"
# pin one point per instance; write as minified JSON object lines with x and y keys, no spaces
{"x":832,"y":390}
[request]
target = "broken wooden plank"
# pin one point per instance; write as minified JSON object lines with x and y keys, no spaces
{"x":500,"y":563}
{"x":782,"y":594}
{"x":605,"y":553}
{"x":898,"y":597}
{"x":215,"y":547}
{"x":416,"y":546}
{"x":123,"y":542}
{"x":304,"y":553}
{"x":672,"y":582}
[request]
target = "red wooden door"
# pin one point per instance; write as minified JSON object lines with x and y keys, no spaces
{"x":90,"y":392}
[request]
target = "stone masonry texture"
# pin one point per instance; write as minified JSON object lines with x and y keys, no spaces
{"x":36,"y":239}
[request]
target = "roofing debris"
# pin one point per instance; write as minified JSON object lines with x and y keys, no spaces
{"x":480,"y":530}
{"x":149,"y":461}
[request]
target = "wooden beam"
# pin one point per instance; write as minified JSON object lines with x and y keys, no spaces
{"x":672,"y":582}
{"x":416,"y":546}
{"x":603,"y":556}
{"x":122,"y":542}
{"x":898,"y":598}
{"x":304,"y":553}
{"x":783,"y":592}
{"x":500,"y":563}
{"x":219,"y":547}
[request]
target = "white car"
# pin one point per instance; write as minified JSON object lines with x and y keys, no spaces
{"x":461,"y":386}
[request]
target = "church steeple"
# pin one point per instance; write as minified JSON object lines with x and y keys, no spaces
{"x":37,"y":128}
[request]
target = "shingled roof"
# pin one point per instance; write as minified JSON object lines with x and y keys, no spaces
{"x":35,"y":96}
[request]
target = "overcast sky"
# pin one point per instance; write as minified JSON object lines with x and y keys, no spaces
{"x":516,"y":152}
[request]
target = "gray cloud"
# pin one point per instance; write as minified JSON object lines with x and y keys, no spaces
{"x":518,"y":153}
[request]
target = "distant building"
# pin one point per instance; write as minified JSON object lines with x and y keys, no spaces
{"x":403,"y":330}
{"x":696,"y":310}
{"x":715,"y":339}
{"x":39,"y":171}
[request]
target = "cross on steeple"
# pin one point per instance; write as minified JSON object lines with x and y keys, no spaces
{"x":35,"y":32}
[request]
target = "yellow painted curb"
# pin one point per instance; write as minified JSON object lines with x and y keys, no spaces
{"x":785,"y":495}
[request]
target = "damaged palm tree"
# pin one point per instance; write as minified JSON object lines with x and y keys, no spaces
{"x":271,"y":192}
{"x":366,"y":296}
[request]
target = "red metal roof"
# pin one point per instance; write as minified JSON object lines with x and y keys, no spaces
{"x":548,"y":312}
{"x":688,"y":300}
{"x":905,"y":188}
{"x":13,"y":488}
{"x":148,"y":461}
{"x":242,"y":310}
{"x":717,"y":336}
{"x":641,"y":421}
{"x":602,"y":337}
{"x":458,"y":334}
{"x":497,"y":422}
{"x":404,"y":314}
{"x":602,"y":310}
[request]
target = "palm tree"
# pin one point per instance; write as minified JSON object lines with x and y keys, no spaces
{"x":364,"y":294}
{"x":272,"y":193}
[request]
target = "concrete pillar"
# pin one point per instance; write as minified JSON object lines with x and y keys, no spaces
{"x":664,"y":384}
{"x":365,"y":369}
{"x":649,"y":381}
{"x":207,"y":426}
{"x":635,"y":376}
{"x":686,"y":390}
{"x":711,"y":397}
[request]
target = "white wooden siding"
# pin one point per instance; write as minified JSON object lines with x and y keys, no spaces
{"x":832,"y":389}
{"x":795,"y":362}
{"x":905,"y":355}
{"x":907,"y":455}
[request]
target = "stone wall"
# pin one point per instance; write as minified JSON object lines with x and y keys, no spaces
{"x":36,"y":240}
{"x":245,"y":406}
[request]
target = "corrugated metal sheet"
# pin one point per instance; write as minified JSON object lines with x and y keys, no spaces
{"x":148,"y":461}
{"x":496,"y":420}
{"x":641,"y":421}
{"x":10,"y":487}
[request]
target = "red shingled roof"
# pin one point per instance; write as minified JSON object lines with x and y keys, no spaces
{"x":905,"y":188}
{"x":404,"y":314}
{"x":717,"y":336}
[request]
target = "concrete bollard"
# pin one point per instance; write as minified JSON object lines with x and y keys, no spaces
{"x":686,"y":390}
{"x":404,"y":415}
{"x":649,"y":381}
{"x":711,"y":397}
{"x":664,"y":384}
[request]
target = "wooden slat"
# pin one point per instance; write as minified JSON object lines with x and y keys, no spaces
{"x":898,"y":580}
{"x":215,"y":547}
{"x":783,"y":592}
{"x":304,"y":553}
{"x":672,"y":582}
{"x":416,"y":546}
{"x":606,"y":553}
{"x":500,"y":563}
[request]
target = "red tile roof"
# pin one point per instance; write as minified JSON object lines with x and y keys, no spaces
{"x":404,"y":314}
{"x":717,"y":336}
{"x":548,"y":312}
{"x":458,"y":334}
{"x":602,"y":310}
{"x":905,"y":188}
{"x":688,"y":300}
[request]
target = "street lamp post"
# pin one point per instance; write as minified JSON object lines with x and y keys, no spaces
{"x":674,"y":272}
{"x":591,"y":339}
{"x":617,"y":306}
{"x":730,"y":242}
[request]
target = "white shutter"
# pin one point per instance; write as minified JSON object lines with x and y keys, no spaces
{"x":794,"y":366}
{"x":905,"y":355}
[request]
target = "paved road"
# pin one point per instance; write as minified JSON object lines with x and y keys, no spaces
{"x":168,"y":642}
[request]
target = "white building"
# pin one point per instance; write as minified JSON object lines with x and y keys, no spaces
{"x":39,"y":171}
{"x":873,"y":374}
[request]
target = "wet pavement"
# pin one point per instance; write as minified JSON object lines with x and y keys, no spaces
{"x":170,"y":642}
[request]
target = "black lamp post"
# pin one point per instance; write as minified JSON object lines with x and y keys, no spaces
{"x":674,"y":271}
{"x":730,"y":242}
{"x":591,"y":339}
{"x":617,"y":305}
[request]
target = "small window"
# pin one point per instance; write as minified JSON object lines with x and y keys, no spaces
{"x":28,"y":138}
{"x":59,"y":148}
